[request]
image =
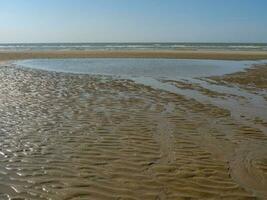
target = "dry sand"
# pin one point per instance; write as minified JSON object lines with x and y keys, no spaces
{"x":67,"y":136}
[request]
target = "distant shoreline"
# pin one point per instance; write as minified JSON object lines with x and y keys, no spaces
{"x":186,"y":54}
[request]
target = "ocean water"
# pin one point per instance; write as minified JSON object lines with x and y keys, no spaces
{"x":133,"y":46}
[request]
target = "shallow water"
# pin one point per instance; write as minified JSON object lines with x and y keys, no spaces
{"x":156,"y":68}
{"x":158,"y":73}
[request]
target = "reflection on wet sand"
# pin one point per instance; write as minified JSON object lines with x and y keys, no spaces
{"x":66,"y":136}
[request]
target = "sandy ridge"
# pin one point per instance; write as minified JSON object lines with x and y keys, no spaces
{"x":216,"y":55}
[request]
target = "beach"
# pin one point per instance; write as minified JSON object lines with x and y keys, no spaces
{"x":215,"y":55}
{"x":82,"y":136}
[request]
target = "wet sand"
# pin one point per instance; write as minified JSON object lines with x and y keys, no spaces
{"x":217,"y":55}
{"x":69,"y":136}
{"x":254,"y":78}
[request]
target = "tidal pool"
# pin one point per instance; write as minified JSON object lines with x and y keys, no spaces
{"x":159,"y":74}
{"x":156,"y":68}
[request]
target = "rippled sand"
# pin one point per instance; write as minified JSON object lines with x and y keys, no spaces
{"x":66,"y":136}
{"x":253,"y":78}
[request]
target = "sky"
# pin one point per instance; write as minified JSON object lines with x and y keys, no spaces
{"x":34,"y":21}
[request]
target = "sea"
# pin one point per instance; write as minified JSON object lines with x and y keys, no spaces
{"x":131,"y":46}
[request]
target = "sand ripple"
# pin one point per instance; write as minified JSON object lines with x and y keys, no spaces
{"x":83,"y":137}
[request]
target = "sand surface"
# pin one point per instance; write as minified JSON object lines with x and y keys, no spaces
{"x":67,"y":136}
{"x":219,"y":55}
{"x":254,"y":77}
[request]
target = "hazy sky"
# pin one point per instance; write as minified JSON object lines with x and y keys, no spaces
{"x":133,"y":21}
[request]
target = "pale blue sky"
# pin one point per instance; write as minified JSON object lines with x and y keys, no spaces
{"x":133,"y":21}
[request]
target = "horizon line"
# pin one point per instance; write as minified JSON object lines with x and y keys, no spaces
{"x":6,"y":43}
